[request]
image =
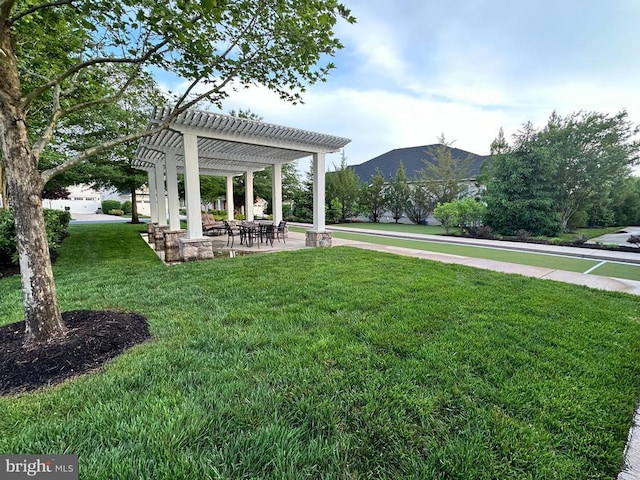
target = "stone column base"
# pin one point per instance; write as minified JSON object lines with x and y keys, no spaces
{"x":172,"y":245}
{"x":158,"y":236}
{"x":195,"y":249}
{"x":150,"y":232}
{"x":318,"y":239}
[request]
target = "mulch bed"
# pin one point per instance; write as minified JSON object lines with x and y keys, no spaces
{"x":93,"y":338}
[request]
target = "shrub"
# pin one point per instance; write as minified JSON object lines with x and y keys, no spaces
{"x":117,"y":212}
{"x":470,"y":212}
{"x":127,"y":207}
{"x":219,"y":215}
{"x":56,"y":224}
{"x":483,"y":231}
{"x":447,"y":214}
{"x":108,"y":205}
{"x":581,"y":240}
{"x":523,"y":234}
{"x":8,"y":251}
{"x":466,"y":213}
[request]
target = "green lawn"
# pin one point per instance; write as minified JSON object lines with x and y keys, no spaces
{"x":334,"y":363}
{"x":557,"y":262}
{"x":400,"y":227}
{"x":439,"y":230}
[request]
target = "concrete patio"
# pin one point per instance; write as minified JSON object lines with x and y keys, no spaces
{"x":222,"y":248}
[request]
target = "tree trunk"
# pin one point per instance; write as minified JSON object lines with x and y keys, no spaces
{"x":3,"y":189}
{"x":134,"y":206}
{"x":24,"y":184}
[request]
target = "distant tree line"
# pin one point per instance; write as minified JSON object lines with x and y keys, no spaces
{"x":574,"y":172}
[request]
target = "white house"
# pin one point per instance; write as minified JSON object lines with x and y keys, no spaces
{"x":84,"y":199}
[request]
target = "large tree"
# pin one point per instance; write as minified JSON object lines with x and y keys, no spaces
{"x":52,"y":54}
{"x":625,"y":199}
{"x":518,"y":193}
{"x":567,"y":169}
{"x":589,"y":151}
{"x":113,"y":169}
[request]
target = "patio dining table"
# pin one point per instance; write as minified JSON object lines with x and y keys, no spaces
{"x":249,"y":231}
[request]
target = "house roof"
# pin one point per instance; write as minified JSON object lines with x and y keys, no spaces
{"x":413,"y":160}
{"x":229,"y":145}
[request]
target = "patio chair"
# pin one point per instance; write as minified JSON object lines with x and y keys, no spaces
{"x":281,"y":230}
{"x":252,"y":232}
{"x":267,"y":233}
{"x":231,"y":233}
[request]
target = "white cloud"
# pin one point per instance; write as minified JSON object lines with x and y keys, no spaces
{"x":414,"y":70}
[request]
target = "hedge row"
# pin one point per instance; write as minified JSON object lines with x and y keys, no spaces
{"x":120,"y":208}
{"x":56,"y":223}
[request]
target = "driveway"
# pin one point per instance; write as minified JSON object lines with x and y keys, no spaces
{"x":618,"y":238}
{"x":78,"y":218}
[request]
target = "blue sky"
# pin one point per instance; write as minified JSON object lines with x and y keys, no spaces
{"x":414,"y":69}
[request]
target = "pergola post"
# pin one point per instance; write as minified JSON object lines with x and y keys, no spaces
{"x":192,"y":186}
{"x":153,"y":196}
{"x":248,"y":196}
{"x":318,"y":237}
{"x":318,"y":192}
{"x":153,"y":206}
{"x":229,"y":193}
{"x":161,"y":193}
{"x":172,"y":191}
{"x":276,"y":193}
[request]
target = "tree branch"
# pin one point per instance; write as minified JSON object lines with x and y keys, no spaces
{"x":94,"y":61}
{"x":232,"y":45}
{"x":59,"y":113}
{"x":52,"y":172}
{"x":45,"y":138}
{"x":35,"y":8}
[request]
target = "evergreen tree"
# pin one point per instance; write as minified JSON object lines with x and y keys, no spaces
{"x":420,"y":203}
{"x":445,"y":177}
{"x":373,"y":199}
{"x":343,"y":186}
{"x":397,"y":193}
{"x":518,"y":193}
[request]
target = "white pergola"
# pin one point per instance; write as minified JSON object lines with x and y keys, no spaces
{"x":203,"y":143}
